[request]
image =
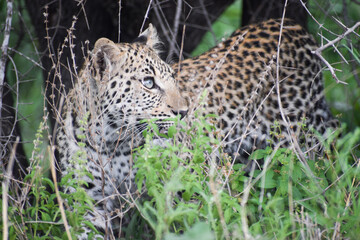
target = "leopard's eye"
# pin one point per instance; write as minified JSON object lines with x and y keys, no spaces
{"x":148,"y":82}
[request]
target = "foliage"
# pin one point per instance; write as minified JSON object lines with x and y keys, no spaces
{"x":193,"y":194}
{"x":287,"y":199}
{"x":165,"y":174}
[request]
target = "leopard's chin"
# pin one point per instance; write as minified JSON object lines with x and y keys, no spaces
{"x":160,"y":142}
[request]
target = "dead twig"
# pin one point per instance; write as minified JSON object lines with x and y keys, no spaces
{"x":5,"y":187}
{"x":292,"y":136}
{"x":58,"y":197}
{"x":216,"y":194}
{"x":119,"y":18}
{"x":146,"y":16}
{"x":245,"y":197}
{"x":208,"y":21}
{"x":176,"y":28}
{"x":318,"y":51}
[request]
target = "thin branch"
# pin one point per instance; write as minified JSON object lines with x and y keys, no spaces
{"x":292,"y":136}
{"x":5,"y":187}
{"x":164,"y":25}
{"x":146,"y":16}
{"x":181,"y":48}
{"x":60,"y":201}
{"x":245,"y":197}
{"x":16,"y":104}
{"x":318,"y":51}
{"x":176,"y":28}
{"x":208,"y":21}
{"x":119,"y":18}
{"x":216,"y":194}
{"x":28,"y":58}
{"x":81,"y":2}
{"x":321,"y":25}
{"x":331,"y":69}
{"x":277,"y":85}
{"x":335,"y":48}
{"x":353,"y":64}
{"x":331,"y":43}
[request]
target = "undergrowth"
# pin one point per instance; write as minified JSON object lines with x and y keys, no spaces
{"x":194,"y":191}
{"x":34,"y":211}
{"x":201,"y":196}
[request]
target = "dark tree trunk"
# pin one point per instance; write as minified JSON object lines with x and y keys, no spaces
{"x":260,"y":10}
{"x":10,"y":131}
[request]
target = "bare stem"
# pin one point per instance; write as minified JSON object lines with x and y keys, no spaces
{"x":175,"y":27}
{"x":5,"y":187}
{"x":60,"y":201}
{"x":146,"y":16}
{"x":318,"y":51}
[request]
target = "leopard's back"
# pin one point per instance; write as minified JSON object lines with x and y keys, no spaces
{"x":240,"y":76}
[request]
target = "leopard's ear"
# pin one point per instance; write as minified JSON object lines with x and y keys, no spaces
{"x":106,"y":56}
{"x":149,"y":37}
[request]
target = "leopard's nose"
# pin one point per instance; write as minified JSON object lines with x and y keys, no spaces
{"x":182,"y":113}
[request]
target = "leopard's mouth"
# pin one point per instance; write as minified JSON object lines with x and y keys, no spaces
{"x":163,"y":130}
{"x":164,"y":127}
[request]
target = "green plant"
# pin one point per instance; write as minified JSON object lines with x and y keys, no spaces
{"x":287,"y":198}
{"x":34,"y":211}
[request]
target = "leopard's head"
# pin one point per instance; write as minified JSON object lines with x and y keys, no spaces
{"x":131,"y":84}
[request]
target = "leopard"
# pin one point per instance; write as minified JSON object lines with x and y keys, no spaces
{"x":262,"y":74}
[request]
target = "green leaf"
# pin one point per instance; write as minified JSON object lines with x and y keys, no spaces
{"x":238,"y":166}
{"x":45,"y":217}
{"x":172,"y":131}
{"x":260,"y":154}
{"x":268,"y":181}
{"x":228,"y":214}
{"x":200,"y":231}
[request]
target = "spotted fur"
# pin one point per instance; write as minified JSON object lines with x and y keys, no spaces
{"x":240,"y":76}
